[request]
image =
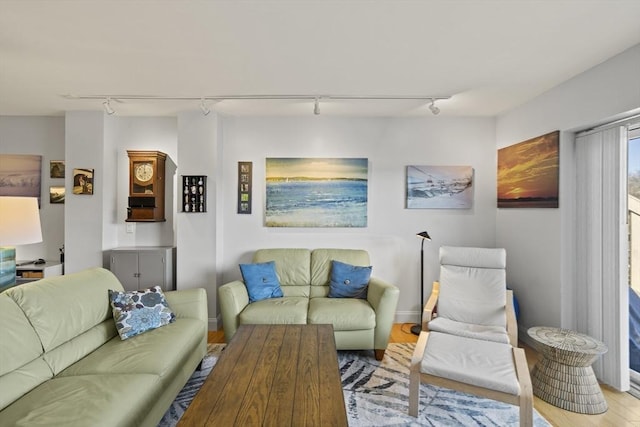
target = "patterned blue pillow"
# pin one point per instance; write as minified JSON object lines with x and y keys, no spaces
{"x":349,"y":281}
{"x":261,"y":281}
{"x":136,"y":312}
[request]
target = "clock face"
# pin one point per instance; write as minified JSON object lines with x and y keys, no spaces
{"x":144,"y":172}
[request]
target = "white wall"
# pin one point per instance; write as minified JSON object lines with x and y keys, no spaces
{"x":540,"y":242}
{"x":390,"y":145}
{"x":41,"y":136}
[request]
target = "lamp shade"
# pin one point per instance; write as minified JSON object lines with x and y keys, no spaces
{"x":19,"y":221}
{"x":424,"y":235}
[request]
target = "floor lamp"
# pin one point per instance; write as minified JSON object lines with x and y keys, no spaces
{"x":19,"y":225}
{"x":423,"y":235}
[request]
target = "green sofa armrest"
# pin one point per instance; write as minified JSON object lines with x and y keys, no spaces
{"x":383,"y":297}
{"x":233,"y":299}
{"x":190,"y":303}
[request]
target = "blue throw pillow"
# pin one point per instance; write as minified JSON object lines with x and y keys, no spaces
{"x":261,"y":281}
{"x":348,"y":281}
{"x":136,"y":312}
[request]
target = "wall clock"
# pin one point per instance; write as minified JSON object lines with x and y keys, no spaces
{"x":146,"y":186}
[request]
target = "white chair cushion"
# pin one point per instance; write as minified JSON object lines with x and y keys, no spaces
{"x":481,"y":363}
{"x":474,"y":257}
{"x":470,"y":330}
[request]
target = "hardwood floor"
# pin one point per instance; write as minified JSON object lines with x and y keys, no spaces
{"x":624,"y":409}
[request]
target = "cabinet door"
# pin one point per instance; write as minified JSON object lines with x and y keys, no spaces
{"x":125,"y":267}
{"x":152,"y":268}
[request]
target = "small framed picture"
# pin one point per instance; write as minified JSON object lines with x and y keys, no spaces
{"x":245,"y":171}
{"x":56,"y":168}
{"x":83,"y":181}
{"x":56,"y":195}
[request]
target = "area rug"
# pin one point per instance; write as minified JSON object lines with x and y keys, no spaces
{"x":377,"y":394}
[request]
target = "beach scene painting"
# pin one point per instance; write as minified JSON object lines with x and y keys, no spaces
{"x":20,"y":175}
{"x":316,"y":192}
{"x":528,"y":173}
{"x":439,"y":187}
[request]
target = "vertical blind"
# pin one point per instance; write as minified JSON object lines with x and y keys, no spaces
{"x":602,"y":247}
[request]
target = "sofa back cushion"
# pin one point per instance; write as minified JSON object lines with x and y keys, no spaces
{"x":321,"y":266}
{"x":292,"y":268}
{"x":70,"y":314}
{"x":21,"y":365}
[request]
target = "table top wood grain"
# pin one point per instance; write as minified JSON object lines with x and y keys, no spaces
{"x":273,"y":375}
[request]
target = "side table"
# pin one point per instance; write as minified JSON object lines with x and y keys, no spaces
{"x":563,"y":376}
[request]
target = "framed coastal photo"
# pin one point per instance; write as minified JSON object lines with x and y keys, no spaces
{"x":528,"y":173}
{"x":56,"y":195}
{"x":56,"y":168}
{"x":20,"y":175}
{"x":439,"y":187}
{"x":316,"y":192}
{"x":83,"y":181}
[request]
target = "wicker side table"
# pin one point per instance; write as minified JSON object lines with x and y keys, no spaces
{"x":563,"y":376}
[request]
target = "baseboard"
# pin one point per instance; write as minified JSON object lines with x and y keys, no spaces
{"x":213,"y":323}
{"x":406,"y":317}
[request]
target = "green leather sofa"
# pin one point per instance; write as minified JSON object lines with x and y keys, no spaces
{"x":304,"y":275}
{"x":62,"y":362}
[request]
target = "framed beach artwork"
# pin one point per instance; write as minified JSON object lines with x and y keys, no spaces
{"x":56,"y":195}
{"x":316,"y":192}
{"x":20,"y":175}
{"x":528,"y":173}
{"x":439,"y":187}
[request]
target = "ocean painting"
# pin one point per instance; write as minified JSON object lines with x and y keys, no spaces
{"x":316,"y":192}
{"x":528,"y":173}
{"x":20,"y":175}
{"x":439,"y":187}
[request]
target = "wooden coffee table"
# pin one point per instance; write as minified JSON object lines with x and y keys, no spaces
{"x":273,"y":375}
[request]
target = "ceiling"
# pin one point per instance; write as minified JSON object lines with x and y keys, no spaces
{"x":489,"y":55}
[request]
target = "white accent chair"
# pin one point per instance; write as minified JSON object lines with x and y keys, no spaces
{"x":469,"y":333}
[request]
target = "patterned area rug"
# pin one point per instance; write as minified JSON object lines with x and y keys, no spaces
{"x":377,"y":394}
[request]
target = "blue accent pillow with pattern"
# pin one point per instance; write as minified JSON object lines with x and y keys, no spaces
{"x":349,"y":281}
{"x":136,"y":312}
{"x":261,"y":280}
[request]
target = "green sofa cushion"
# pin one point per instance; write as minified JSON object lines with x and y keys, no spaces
{"x":292,"y":265}
{"x":345,"y":314}
{"x":86,"y":294}
{"x":150,"y":353}
{"x":286,"y":310}
{"x":20,"y":344}
{"x":91,"y":400}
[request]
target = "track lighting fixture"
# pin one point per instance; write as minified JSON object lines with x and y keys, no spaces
{"x":435,"y":110}
{"x":203,"y":107}
{"x":219,"y":98}
{"x":107,"y":106}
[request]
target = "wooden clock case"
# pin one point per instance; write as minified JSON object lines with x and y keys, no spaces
{"x":146,"y":186}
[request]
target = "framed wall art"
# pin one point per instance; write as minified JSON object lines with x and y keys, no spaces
{"x":194,"y":193}
{"x":56,"y":195}
{"x":316,"y":192}
{"x":439,"y":187}
{"x":528,"y":173}
{"x":245,"y":183}
{"x":20,"y":175}
{"x":56,"y":169}
{"x":83,"y":181}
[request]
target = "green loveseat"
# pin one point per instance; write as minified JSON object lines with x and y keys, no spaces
{"x":62,"y":362}
{"x":358,"y":324}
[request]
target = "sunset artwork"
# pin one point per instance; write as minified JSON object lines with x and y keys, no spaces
{"x":528,"y":173}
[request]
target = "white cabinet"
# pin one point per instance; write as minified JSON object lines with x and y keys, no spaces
{"x":143,"y":267}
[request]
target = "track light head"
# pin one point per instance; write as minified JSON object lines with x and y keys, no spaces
{"x":204,"y":108}
{"x":107,"y":107}
{"x":316,"y":106}
{"x":435,"y":110}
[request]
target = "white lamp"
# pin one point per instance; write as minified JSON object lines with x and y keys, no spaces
{"x":19,"y":225}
